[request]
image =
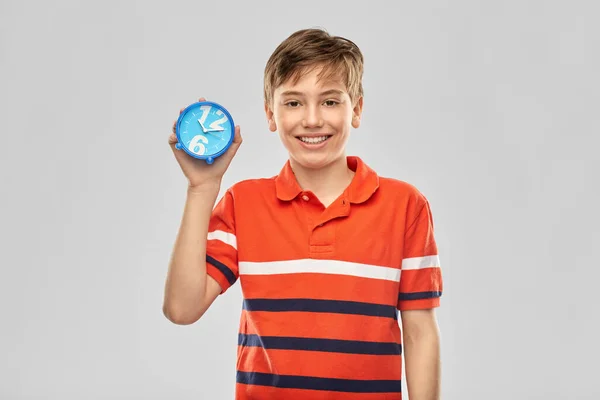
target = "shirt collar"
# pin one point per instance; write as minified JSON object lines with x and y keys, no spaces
{"x":364,"y":183}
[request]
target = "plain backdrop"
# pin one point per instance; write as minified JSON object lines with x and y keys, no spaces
{"x":491,"y":109}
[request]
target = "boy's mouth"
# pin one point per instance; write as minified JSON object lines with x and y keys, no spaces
{"x":313,"y":139}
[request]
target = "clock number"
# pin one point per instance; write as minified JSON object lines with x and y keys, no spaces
{"x":195,"y":143}
{"x":205,"y":110}
{"x":217,"y":124}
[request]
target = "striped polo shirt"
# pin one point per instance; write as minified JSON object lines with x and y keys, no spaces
{"x":322,"y":286}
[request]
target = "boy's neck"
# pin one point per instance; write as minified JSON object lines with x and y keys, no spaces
{"x":326,"y":183}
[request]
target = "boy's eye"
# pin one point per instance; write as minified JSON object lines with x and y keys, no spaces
{"x":330,"y":103}
{"x":292,"y":104}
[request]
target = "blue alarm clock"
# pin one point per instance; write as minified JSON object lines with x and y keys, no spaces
{"x":204,"y":130}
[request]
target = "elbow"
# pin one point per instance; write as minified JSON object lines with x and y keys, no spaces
{"x":179,"y":317}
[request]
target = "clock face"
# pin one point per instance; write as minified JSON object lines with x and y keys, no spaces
{"x":205,"y":129}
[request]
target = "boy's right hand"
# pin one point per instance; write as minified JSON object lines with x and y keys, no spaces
{"x":198,"y":172}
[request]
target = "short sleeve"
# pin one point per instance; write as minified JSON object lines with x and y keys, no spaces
{"x":420,"y":277}
{"x":221,"y":245}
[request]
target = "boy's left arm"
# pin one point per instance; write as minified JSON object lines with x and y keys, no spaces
{"x":421,"y":347}
{"x":419,"y":293}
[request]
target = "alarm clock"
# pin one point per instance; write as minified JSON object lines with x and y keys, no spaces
{"x":204,"y":130}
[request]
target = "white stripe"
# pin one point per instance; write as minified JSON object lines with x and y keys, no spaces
{"x":321,"y":267}
{"x":421,"y":262}
{"x":227,"y":238}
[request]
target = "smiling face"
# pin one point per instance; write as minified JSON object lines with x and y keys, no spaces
{"x":313,"y":118}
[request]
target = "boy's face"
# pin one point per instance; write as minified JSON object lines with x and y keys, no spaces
{"x":310,"y":111}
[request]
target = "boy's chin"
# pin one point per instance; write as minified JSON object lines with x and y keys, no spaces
{"x":314,"y":161}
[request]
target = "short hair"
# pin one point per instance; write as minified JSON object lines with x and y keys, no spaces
{"x":307,"y":49}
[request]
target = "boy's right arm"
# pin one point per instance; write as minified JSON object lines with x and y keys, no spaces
{"x":189,"y":290}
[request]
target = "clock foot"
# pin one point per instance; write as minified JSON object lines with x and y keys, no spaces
{"x":178,"y":146}
{"x":210,"y":160}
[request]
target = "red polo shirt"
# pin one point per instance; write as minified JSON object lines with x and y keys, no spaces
{"x":322,"y":286}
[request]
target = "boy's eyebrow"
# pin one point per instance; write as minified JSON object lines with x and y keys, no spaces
{"x":332,"y":91}
{"x":325,"y":93}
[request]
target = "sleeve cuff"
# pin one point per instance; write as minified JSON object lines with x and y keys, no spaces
{"x":220,"y":272}
{"x":419,"y":304}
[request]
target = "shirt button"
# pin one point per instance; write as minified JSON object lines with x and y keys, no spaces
{"x":320,"y":224}
{"x":305,"y":198}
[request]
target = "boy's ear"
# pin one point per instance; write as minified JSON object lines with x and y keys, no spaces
{"x":270,"y":119}
{"x":357,"y":112}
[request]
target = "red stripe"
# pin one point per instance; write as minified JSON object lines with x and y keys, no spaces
{"x":320,"y":364}
{"x":322,"y":325}
{"x":320,"y":286}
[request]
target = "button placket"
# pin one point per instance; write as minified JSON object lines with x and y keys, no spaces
{"x":308,"y":214}
{"x":321,"y":242}
{"x":342,"y":209}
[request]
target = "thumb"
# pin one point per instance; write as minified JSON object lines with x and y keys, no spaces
{"x":235,"y":145}
{"x":237,"y":138}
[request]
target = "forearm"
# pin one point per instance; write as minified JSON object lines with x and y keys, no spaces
{"x":423,"y":367}
{"x":185,"y":287}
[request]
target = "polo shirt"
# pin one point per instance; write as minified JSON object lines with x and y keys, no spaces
{"x":322,"y":286}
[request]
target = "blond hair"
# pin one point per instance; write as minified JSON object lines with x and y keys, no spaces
{"x":307,"y":49}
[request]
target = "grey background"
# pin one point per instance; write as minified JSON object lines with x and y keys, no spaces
{"x":489,"y":108}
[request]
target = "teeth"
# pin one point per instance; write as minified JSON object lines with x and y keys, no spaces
{"x":313,"y":140}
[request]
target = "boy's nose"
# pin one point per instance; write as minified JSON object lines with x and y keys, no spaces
{"x":312,"y":118}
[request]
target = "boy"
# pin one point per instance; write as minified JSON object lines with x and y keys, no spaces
{"x":326,"y":251}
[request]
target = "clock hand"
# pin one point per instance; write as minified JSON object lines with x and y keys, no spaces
{"x":203,"y":128}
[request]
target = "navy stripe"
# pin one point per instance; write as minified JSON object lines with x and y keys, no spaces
{"x":418,"y":295}
{"x":312,"y":383}
{"x":326,"y":345}
{"x":321,"y":306}
{"x":229,"y":275}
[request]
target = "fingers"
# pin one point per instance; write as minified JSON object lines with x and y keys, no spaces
{"x":173,"y":136}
